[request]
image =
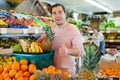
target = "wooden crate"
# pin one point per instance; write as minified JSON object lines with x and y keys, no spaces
{"x":117,"y":60}
{"x":109,"y":64}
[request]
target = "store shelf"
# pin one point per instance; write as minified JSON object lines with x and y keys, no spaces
{"x":103,"y":31}
{"x":108,"y":40}
{"x":21,"y":31}
{"x":110,"y":31}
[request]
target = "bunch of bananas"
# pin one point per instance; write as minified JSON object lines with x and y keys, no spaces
{"x":35,"y":48}
{"x":111,"y":36}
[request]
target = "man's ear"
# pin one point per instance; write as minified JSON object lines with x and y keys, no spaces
{"x":66,"y":13}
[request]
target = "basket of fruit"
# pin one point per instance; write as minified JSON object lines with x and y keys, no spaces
{"x":41,"y":60}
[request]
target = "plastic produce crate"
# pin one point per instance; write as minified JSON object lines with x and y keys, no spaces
{"x":41,"y":60}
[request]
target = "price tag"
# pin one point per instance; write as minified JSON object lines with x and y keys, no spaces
{"x":25,"y":31}
{"x":36,"y":30}
{"x":108,"y":31}
{"x":3,"y":31}
{"x":110,"y":40}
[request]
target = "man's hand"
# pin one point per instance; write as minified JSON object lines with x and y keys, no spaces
{"x":63,"y":50}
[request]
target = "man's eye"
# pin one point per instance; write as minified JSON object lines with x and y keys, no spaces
{"x":54,"y":13}
{"x":60,"y":12}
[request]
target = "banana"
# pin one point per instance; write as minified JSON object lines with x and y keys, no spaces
{"x":30,"y":51}
{"x":40,"y":49}
{"x":36,"y":47}
{"x":33,"y":47}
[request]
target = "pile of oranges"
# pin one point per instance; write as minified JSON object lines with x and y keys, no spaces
{"x":110,"y":72}
{"x":18,"y":71}
{"x":52,"y":70}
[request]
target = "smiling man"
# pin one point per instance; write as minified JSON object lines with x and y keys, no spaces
{"x":67,"y":43}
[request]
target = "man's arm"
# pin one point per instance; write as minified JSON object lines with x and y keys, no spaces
{"x":71,"y":51}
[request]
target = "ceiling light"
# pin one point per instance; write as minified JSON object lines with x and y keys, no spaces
{"x":97,"y":4}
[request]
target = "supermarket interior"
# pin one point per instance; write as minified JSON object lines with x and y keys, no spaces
{"x":59,"y":40}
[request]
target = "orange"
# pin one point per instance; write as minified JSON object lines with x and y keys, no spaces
{"x":32,"y":65}
{"x":20,"y":71}
{"x":33,"y":77}
{"x":66,"y":74}
{"x":51,"y":67}
{"x":12,"y":72}
{"x":51,"y":72}
{"x":6,"y":75}
{"x":14,"y":79}
{"x":1,"y":77}
{"x":20,"y":78}
{"x":45,"y":70}
{"x":1,"y":70}
{"x":7,"y":68}
{"x":26,"y":78}
{"x":4,"y":65}
{"x":24,"y":67}
{"x":16,"y":66}
{"x":26,"y":74}
{"x":18,"y":75}
{"x":31,"y":69}
{"x":3,"y":73}
{"x":58,"y":71}
{"x":23,"y":61}
{"x":7,"y":79}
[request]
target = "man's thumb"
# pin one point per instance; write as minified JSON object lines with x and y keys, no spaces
{"x":63,"y":45}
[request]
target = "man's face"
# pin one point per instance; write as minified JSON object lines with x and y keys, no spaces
{"x":58,"y":15}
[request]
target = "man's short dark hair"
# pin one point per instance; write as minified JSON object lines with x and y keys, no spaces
{"x":56,"y":5}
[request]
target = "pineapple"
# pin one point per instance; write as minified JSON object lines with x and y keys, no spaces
{"x":57,"y":76}
{"x":46,"y":76}
{"x":41,"y":76}
{"x":46,"y":44}
{"x":90,"y":60}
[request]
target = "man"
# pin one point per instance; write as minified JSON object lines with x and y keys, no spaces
{"x":67,"y":43}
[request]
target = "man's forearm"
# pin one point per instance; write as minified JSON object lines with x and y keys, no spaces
{"x":74,"y":52}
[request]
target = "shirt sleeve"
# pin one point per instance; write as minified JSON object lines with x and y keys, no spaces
{"x":77,"y":42}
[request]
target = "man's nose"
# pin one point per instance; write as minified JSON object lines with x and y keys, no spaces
{"x":57,"y":15}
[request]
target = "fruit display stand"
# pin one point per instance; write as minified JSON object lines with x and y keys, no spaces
{"x":110,"y":70}
{"x":41,"y":60}
{"x":111,"y":38}
{"x":11,"y":32}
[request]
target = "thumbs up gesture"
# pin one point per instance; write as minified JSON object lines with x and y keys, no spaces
{"x":63,"y":50}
